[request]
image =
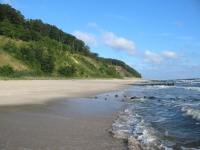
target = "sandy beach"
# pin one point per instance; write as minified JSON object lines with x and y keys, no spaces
{"x":40,"y":91}
{"x":60,"y":114}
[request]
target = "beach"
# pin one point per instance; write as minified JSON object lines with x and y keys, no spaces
{"x":60,"y":114}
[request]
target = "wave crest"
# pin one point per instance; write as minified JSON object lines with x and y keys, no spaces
{"x":191,"y":111}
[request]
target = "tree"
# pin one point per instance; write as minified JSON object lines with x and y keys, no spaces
{"x":7,"y":29}
{"x":37,"y":25}
{"x":12,"y":15}
{"x":86,"y":50}
{"x":54,"y":33}
{"x":78,"y":45}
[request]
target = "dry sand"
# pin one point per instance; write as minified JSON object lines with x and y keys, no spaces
{"x":40,"y":91}
{"x":61,"y":120}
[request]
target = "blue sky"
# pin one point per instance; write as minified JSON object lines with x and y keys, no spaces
{"x":159,"y":38}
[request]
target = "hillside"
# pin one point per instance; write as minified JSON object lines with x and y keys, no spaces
{"x":27,"y":49}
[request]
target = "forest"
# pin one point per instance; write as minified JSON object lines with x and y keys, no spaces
{"x":48,"y":51}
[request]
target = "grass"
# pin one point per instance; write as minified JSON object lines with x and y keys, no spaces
{"x":6,"y":59}
{"x":54,"y":78}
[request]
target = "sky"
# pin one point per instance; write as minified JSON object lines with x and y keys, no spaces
{"x":158,"y":38}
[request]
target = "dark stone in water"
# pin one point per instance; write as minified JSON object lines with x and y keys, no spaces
{"x":95,"y":97}
{"x":105,"y":98}
{"x":134,"y":97}
{"x":116,"y":95}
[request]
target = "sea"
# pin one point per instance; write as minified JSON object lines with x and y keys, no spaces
{"x":159,"y":115}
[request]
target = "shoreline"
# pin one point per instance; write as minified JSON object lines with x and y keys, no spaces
{"x":62,"y":120}
{"x":74,"y":123}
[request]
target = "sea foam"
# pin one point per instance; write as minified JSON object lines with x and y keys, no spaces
{"x":190,"y":111}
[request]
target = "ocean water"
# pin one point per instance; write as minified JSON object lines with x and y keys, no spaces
{"x":161,"y":117}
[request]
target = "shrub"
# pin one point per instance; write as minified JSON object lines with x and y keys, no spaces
{"x":67,"y":71}
{"x":6,"y":70}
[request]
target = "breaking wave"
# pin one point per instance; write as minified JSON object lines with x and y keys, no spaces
{"x":190,"y":111}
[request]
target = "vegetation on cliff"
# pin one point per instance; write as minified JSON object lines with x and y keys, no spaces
{"x":33,"y":48}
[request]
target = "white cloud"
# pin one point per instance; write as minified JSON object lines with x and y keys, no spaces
{"x":169,"y":54}
{"x":185,"y":37}
{"x":107,"y":38}
{"x":119,"y":43}
{"x":86,"y":37}
{"x":152,"y":57}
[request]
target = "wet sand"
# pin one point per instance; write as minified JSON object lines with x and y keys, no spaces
{"x":47,"y":114}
